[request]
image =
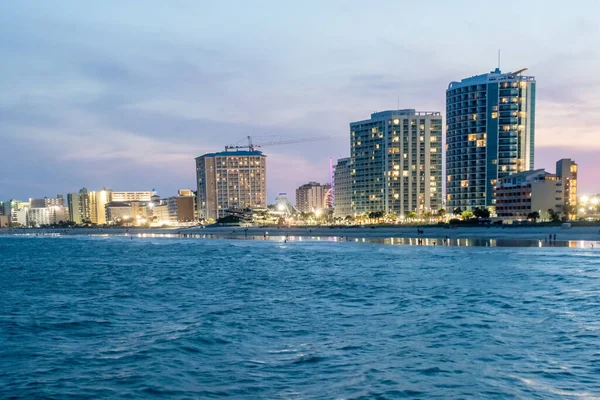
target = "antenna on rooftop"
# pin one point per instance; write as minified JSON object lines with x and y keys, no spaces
{"x":498,"y":58}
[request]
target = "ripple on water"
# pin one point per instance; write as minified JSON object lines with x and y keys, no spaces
{"x":108,"y":317}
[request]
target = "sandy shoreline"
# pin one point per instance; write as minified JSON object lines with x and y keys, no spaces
{"x":516,"y":233}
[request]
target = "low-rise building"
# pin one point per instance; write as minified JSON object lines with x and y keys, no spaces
{"x":519,"y":195}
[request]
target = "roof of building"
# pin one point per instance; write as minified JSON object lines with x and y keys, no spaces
{"x":526,"y":174}
{"x":238,"y":153}
{"x":493,"y":76}
{"x":407,"y":112}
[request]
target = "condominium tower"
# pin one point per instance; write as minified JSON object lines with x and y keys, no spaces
{"x":342,"y":187}
{"x":230,"y":180}
{"x":396,"y":162}
{"x":79,"y":206}
{"x":489,"y":135}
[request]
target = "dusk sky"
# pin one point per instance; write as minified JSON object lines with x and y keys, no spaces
{"x":125,"y":94}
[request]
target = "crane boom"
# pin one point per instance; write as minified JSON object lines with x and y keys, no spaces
{"x":251,"y":146}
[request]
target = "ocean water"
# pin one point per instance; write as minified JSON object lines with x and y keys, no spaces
{"x":110,"y":317}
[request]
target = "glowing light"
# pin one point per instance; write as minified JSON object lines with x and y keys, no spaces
{"x":318,"y":213}
{"x":582,"y":209}
{"x":595,"y":200}
{"x":281,"y":207}
{"x":584,"y":199}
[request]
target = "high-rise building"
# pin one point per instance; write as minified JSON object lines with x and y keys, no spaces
{"x":230,"y":180}
{"x":312,"y":197}
{"x":490,"y":134}
{"x":342,"y":186}
{"x":566,"y":169}
{"x":396,"y":162}
{"x":98,"y":201}
{"x":79,"y":206}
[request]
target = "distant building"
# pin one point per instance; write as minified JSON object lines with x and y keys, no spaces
{"x":4,"y":221}
{"x":520,"y":194}
{"x":48,"y":202}
{"x":5,"y":208}
{"x":119,"y":211}
{"x":37,"y":216}
{"x":98,"y":201}
{"x":396,"y":162}
{"x":18,"y":212}
{"x":311,"y":197}
{"x":79,"y":206}
{"x":566,"y":169}
{"x":131,"y":196}
{"x":230,"y":180}
{"x":181,"y":209}
{"x":490,"y":134}
{"x":342,"y":188}
{"x":160,"y":214}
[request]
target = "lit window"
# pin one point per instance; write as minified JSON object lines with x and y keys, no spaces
{"x":494,"y":115}
{"x":433,"y":150}
{"x":464,"y":183}
{"x":472,"y":137}
{"x":396,"y":121}
{"x":404,"y":173}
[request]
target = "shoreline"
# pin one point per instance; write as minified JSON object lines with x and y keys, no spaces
{"x":582,"y":237}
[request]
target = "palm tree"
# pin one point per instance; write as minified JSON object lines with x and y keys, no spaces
{"x":411,"y":215}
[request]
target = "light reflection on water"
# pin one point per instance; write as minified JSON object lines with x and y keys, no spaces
{"x":403,"y":241}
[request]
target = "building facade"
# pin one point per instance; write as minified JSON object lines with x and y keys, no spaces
{"x":131,"y":196}
{"x":312,"y":197}
{"x":79,"y":206}
{"x":566,"y":169}
{"x":396,"y":162}
{"x":520,"y":194}
{"x":98,"y":201}
{"x":58,"y":201}
{"x":230,"y":180}
{"x":342,"y":188}
{"x":490,"y":134}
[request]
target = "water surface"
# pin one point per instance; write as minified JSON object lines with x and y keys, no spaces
{"x":114,"y":317}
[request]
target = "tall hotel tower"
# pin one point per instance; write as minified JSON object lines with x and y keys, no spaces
{"x":489,"y":135}
{"x":396,"y":162}
{"x":230,"y":180}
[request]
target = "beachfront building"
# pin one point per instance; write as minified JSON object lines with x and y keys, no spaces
{"x":342,"y":188}
{"x":57,"y":201}
{"x":490,"y":134}
{"x":79,"y":206}
{"x":396,"y":162}
{"x":98,"y":201}
{"x":132,"y":196}
{"x":566,"y":169}
{"x":18,"y":212}
{"x":311,"y":197}
{"x":230,"y":180}
{"x":519,"y":195}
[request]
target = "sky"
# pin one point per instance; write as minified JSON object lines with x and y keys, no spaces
{"x":125,"y":94}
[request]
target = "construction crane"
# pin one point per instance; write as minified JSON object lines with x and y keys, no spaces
{"x":252,"y":146}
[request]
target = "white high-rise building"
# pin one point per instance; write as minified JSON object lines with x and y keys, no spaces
{"x":396,"y":162}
